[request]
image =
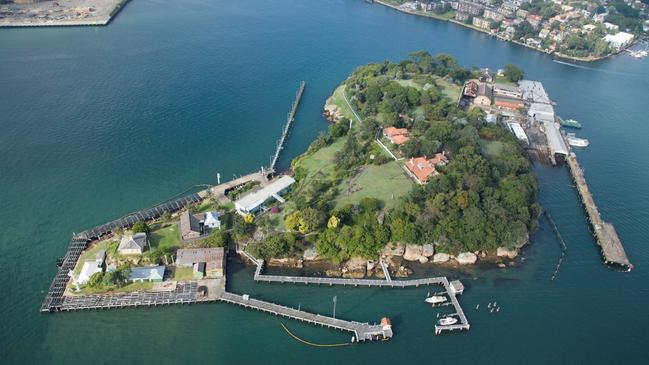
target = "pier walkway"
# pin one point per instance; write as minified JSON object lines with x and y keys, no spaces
{"x":361,"y":331}
{"x":604,"y":232}
{"x":287,"y":126}
{"x":452,"y":289}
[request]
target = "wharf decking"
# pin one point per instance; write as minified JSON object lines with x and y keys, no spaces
{"x":604,"y":232}
{"x":54,"y":299}
{"x":185,"y":293}
{"x":443,"y":281}
{"x":361,"y":331}
{"x":287,"y":126}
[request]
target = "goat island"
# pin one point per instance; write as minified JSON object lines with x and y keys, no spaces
{"x":425,"y":162}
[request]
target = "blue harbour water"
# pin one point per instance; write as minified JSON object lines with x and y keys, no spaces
{"x":98,"y":122}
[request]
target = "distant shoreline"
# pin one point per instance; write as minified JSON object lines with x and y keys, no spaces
{"x":558,"y":55}
{"x":66,"y":14}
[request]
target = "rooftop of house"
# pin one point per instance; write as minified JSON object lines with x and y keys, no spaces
{"x":147,"y":273}
{"x":400,"y":139}
{"x":423,"y":167}
{"x":257,"y":198}
{"x":130,"y":242}
{"x":393,"y":131}
{"x":485,"y":90}
{"x":212,"y":257}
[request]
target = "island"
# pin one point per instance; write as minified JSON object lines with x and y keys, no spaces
{"x":44,"y":13}
{"x":586,"y":30}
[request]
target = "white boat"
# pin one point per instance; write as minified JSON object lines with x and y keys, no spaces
{"x":436,"y":299}
{"x":447,"y":321}
{"x":576,"y":141}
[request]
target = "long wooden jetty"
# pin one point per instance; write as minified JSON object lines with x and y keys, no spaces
{"x":361,"y":331}
{"x":604,"y":232}
{"x":287,"y":126}
{"x":452,"y":289}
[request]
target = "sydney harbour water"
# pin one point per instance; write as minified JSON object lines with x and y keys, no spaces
{"x":98,"y":122}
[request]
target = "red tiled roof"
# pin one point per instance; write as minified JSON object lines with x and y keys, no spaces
{"x":400,"y":139}
{"x":392,"y":131}
{"x":423,"y":167}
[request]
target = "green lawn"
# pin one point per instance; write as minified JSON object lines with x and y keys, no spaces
{"x":165,"y":236}
{"x":448,"y":88}
{"x":89,"y":254}
{"x":503,"y":80}
{"x":386,"y":182}
{"x":491,"y":148}
{"x":207,"y":205}
{"x":183,"y":273}
{"x":319,"y":165}
{"x":131,"y":287}
{"x":339,"y":100}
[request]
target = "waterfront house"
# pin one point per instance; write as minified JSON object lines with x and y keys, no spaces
{"x":422,"y":168}
{"x":89,"y":269}
{"x":482,"y":23}
{"x":254,"y":201}
{"x":462,"y":17}
{"x":534,"y":19}
{"x":484,"y":95}
{"x":133,"y":244}
{"x":469,"y":8}
{"x":494,"y":15}
{"x":397,"y":136}
{"x":509,"y":91}
{"x":193,"y":226}
{"x":147,"y":274}
{"x":212,"y":260}
{"x":619,"y":40}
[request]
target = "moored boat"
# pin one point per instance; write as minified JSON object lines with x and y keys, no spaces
{"x":435,"y":299}
{"x":576,"y":141}
{"x":570,"y":123}
{"x":447,"y":321}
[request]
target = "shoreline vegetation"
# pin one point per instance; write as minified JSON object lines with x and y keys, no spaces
{"x":360,"y":197}
{"x":445,"y":17}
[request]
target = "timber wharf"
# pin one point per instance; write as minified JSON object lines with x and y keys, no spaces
{"x":287,"y":126}
{"x":452,"y":289}
{"x":604,"y":232}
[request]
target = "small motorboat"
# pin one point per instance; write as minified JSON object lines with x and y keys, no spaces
{"x":435,"y":299}
{"x":447,"y":321}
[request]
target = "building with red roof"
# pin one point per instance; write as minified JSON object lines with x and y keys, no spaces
{"x":422,"y":168}
{"x":396,"y":135}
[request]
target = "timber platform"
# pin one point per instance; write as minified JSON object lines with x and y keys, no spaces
{"x":452,"y":289}
{"x":604,"y":232}
{"x":362,"y":331}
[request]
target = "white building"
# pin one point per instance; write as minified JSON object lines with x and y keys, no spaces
{"x":254,"y":201}
{"x":150,"y":273}
{"x":89,"y":269}
{"x":619,"y":40}
{"x":518,"y":132}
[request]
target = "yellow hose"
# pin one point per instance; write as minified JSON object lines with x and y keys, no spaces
{"x":311,"y":343}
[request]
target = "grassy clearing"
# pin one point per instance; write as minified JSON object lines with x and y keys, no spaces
{"x":448,"y":88}
{"x":207,"y":205}
{"x":491,"y":148}
{"x":385,"y":182}
{"x":183,"y":273}
{"x":339,"y":100}
{"x":90,"y":254}
{"x":503,"y":80}
{"x":131,"y":287}
{"x":319,"y":165}
{"x":166,"y":236}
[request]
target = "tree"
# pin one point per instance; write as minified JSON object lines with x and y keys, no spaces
{"x":96,"y":280}
{"x":141,"y":226}
{"x":249,"y":218}
{"x":333,"y":222}
{"x":524,"y":29}
{"x":292,"y":220}
{"x":513,"y":73}
{"x":218,"y":238}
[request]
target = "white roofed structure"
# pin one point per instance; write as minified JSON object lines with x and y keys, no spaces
{"x":518,"y":132}
{"x":556,"y":143}
{"x":533,"y":91}
{"x":541,"y":112}
{"x":254,"y":201}
{"x":89,"y":269}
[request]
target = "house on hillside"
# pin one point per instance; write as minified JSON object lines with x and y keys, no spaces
{"x":397,"y":136}
{"x":422,"y":168}
{"x":209,"y":262}
{"x":193,"y":226}
{"x":133,"y":244}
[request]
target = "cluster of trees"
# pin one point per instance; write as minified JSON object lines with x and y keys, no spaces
{"x":480,"y":201}
{"x":275,"y":245}
{"x":582,"y":45}
{"x":141,"y":226}
{"x":625,"y":16}
{"x":117,"y":278}
{"x":513,"y":73}
{"x":546,"y":9}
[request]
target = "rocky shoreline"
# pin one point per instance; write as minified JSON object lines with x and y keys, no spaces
{"x":400,"y":259}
